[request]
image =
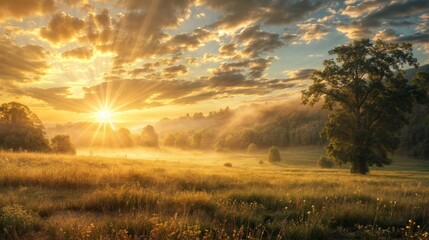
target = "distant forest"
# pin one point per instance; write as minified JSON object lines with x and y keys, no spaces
{"x":262,"y":126}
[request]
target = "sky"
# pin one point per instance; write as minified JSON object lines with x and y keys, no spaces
{"x":142,"y":60}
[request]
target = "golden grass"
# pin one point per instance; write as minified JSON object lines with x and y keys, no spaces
{"x":112,"y":198}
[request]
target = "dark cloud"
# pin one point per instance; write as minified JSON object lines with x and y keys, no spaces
{"x":239,"y":13}
{"x":420,"y":37}
{"x":228,"y":49}
{"x":370,"y":15}
{"x":21,"y":64}
{"x":83,"y":53}
{"x":99,"y":30}
{"x":364,"y":7}
{"x":17,"y":9}
{"x":227,"y":79}
{"x":62,"y":28}
{"x":174,"y":71}
{"x":147,"y":68}
{"x":190,"y":41}
{"x":397,"y":10}
{"x":256,"y":41}
{"x":240,"y":70}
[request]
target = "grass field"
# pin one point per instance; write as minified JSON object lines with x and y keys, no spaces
{"x":182,"y":195}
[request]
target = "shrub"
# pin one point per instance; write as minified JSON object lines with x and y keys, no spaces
{"x":274,"y":154}
{"x":15,"y":220}
{"x":228,"y":164}
{"x":251,"y":148}
{"x":325,"y":162}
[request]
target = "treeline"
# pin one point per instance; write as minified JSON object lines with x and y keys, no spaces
{"x":105,"y":135}
{"x":264,"y":125}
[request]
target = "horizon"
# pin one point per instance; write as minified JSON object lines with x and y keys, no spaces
{"x":132,"y":61}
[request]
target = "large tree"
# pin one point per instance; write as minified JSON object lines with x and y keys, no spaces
{"x":21,"y":129}
{"x":368,"y":99}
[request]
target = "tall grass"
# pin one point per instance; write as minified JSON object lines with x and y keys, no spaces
{"x":63,"y":197}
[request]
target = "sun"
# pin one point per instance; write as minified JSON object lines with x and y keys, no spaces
{"x":104,"y":116}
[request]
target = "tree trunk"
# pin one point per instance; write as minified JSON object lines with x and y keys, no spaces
{"x":360,"y":167}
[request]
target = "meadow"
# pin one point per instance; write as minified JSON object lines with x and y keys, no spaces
{"x":195,"y":195}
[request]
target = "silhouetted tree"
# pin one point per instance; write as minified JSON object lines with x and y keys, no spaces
{"x":21,"y":129}
{"x":149,"y":138}
{"x":62,"y":144}
{"x":415,"y":136}
{"x":196,"y":140}
{"x":124,"y":137}
{"x":274,"y":154}
{"x":182,"y":140}
{"x":251,"y":148}
{"x":368,"y":98}
{"x":169,"y":140}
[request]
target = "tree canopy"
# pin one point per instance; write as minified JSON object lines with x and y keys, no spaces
{"x":368,"y":99}
{"x":149,"y":138}
{"x":21,"y":129}
{"x":62,"y":144}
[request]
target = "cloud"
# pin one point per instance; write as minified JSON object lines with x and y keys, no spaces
{"x":62,"y":28}
{"x":174,"y":71}
{"x":139,"y":31}
{"x":233,"y":73}
{"x":227,"y":79}
{"x":119,"y":95}
{"x":99,"y":30}
{"x":256,"y":41}
{"x":397,"y":11}
{"x":370,"y":15}
{"x":417,"y":38}
{"x":228,"y":49}
{"x":363,"y":8}
{"x":388,"y":35}
{"x":312,"y":31}
{"x":18,"y":9}
{"x":301,"y":74}
{"x":147,"y":68}
{"x":21,"y":64}
{"x":196,"y":98}
{"x":355,"y":30}
{"x":59,"y":98}
{"x":190,"y":41}
{"x":83,"y":53}
{"x":239,"y":13}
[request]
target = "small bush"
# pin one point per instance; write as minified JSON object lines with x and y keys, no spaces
{"x":325,"y":162}
{"x":228,"y":164}
{"x":274,"y":154}
{"x":251,"y":148}
{"x":15,"y":221}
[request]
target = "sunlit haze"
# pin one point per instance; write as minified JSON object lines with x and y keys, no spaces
{"x":104,"y":115}
{"x":164,"y":58}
